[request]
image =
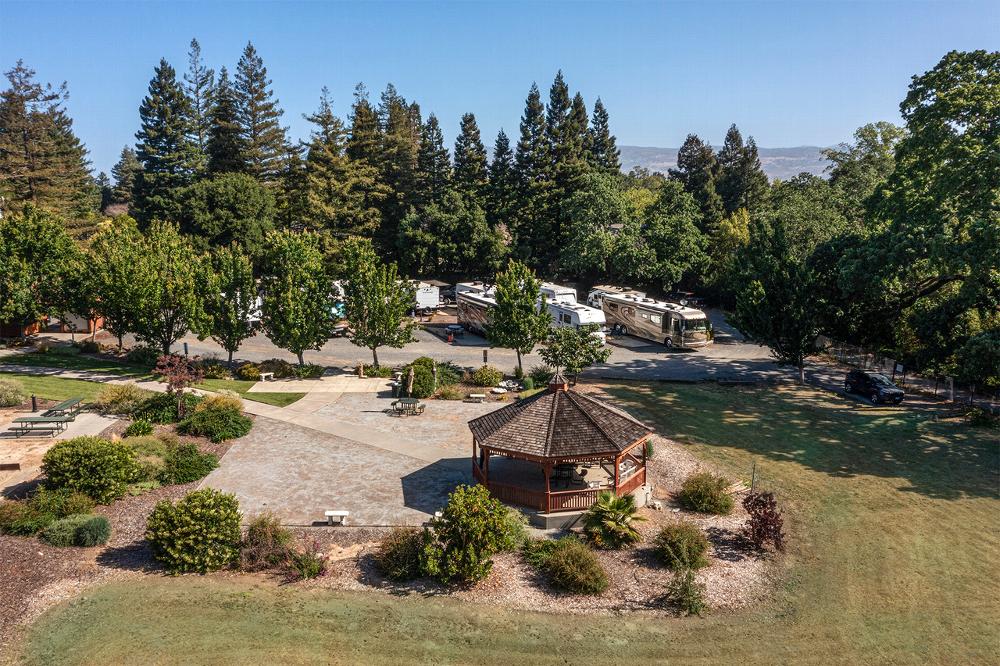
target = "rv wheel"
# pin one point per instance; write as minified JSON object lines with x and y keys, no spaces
{"x":622,"y":330}
{"x":668,"y":343}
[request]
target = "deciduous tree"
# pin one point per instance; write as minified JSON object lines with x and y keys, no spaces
{"x":574,"y":349}
{"x":231,"y":207}
{"x":228,"y":293}
{"x":519,"y":320}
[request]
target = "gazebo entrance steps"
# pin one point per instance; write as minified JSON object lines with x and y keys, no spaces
{"x":569,"y":519}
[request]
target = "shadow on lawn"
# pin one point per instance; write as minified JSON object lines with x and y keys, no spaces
{"x":826,"y":433}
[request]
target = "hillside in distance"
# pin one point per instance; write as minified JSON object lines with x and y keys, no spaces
{"x":781,"y":163}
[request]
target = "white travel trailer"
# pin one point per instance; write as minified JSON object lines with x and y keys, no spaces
{"x":566,"y":311}
{"x":427,"y":296}
{"x":474,"y":300}
{"x":630,"y":312}
{"x":576,"y":315}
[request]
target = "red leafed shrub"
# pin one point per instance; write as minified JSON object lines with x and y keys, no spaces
{"x":179,"y":373}
{"x":765,"y":521}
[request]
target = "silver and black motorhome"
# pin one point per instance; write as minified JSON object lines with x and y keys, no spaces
{"x":474,"y":300}
{"x":631,"y":312}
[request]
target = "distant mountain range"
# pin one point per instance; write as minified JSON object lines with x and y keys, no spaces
{"x":781,"y":163}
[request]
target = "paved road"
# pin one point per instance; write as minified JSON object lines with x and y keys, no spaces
{"x":631,"y":358}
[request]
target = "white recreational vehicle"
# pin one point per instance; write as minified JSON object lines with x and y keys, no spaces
{"x":427,"y":296}
{"x":631,"y":312}
{"x":566,"y":311}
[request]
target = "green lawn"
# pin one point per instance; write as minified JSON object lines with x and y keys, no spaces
{"x":54,"y":388}
{"x":893,"y":558}
{"x":241,"y":387}
{"x":77,"y":362}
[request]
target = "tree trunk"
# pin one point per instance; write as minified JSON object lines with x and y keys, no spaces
{"x":230,"y":357}
{"x":375,"y":356}
{"x":121,"y":342}
{"x":519,"y":361}
{"x":802,"y":372}
{"x":301,"y":361}
{"x":166,"y":347}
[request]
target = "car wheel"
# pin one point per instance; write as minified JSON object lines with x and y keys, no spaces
{"x":668,"y":343}
{"x":848,"y":388}
{"x":874,"y":397}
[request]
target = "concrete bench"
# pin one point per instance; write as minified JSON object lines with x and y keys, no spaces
{"x":267,"y":376}
{"x":336,"y":517}
{"x":477,"y":397}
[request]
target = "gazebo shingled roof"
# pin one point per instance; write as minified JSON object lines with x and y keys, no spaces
{"x":558,"y":424}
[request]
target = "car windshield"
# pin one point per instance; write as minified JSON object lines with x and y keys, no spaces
{"x":881,"y":380}
{"x":696,"y":325}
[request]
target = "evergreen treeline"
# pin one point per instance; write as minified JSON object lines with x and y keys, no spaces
{"x":896,"y":249}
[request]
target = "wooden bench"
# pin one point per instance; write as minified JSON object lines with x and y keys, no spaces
{"x":336,"y":517}
{"x":10,"y":467}
{"x":477,"y":397}
{"x":266,"y":376}
{"x":51,"y":424}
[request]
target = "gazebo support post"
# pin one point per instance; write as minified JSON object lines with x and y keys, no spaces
{"x":547,"y":469}
{"x":618,"y":462}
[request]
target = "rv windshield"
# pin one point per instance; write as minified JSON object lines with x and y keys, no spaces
{"x":696,"y":325}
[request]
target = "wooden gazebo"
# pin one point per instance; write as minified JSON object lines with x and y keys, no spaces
{"x":558,"y":450}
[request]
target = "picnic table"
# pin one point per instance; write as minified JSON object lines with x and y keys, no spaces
{"x":407,"y":407}
{"x":69,"y":407}
{"x":24,"y":425}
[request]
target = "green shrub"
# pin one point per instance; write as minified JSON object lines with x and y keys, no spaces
{"x":528,"y":383}
{"x":686,"y":593}
{"x":306,"y":563}
{"x":162,"y":407}
{"x":518,"y":373}
{"x":139,"y":428}
{"x":94,"y":466}
{"x":89,"y":347}
{"x":541,"y":374}
{"x":200,"y":532}
{"x":266,"y":543}
{"x":218,"y":425}
{"x":398,"y":554}
{"x":281,"y":368}
{"x":571,"y":566}
{"x":248,"y":372}
{"x":473,"y":526}
{"x":184,"y":463}
{"x":95,"y":531}
{"x":608,"y":523}
{"x":11,"y":394}
{"x":681,"y":546}
{"x":78,"y":530}
{"x":650,"y":450}
{"x":423,"y":382}
{"x":143,"y":355}
{"x":60,"y":502}
{"x":20,"y":519}
{"x":487,"y":375}
{"x":382,"y":372}
{"x":425,"y":361}
{"x":978,"y":418}
{"x":309,"y":371}
{"x":150,"y":445}
{"x":448,"y":374}
{"x":450,"y":393}
{"x":215,"y":370}
{"x":121,"y":398}
{"x":706,"y":492}
{"x":65,"y":350}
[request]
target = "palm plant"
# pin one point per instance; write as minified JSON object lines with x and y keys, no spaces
{"x":608,"y":523}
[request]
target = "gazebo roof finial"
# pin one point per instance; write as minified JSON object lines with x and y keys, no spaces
{"x":558,"y":382}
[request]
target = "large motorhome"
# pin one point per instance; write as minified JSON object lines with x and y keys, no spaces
{"x":631,"y":312}
{"x":474,"y":300}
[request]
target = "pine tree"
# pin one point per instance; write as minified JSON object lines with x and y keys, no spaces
{"x":397,"y":161}
{"x":470,"y":161}
{"x":104,"y":185}
{"x":225,"y":147}
{"x":41,"y":159}
{"x":125,"y":171}
{"x":697,"y":170}
{"x":259,"y":118}
{"x":434,"y":172}
{"x":335,"y":198}
{"x":165,"y":149}
{"x":501,"y":193}
{"x":531,"y":162}
{"x":364,"y":150}
{"x":568,"y":160}
{"x":603,"y":149}
{"x":199,"y":82}
{"x":742,"y":182}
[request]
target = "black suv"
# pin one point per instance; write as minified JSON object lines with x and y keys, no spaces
{"x":873,"y":385}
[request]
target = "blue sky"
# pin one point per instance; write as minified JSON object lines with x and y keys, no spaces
{"x":803,"y":73}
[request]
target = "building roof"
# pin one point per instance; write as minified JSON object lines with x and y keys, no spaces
{"x":558,"y":424}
